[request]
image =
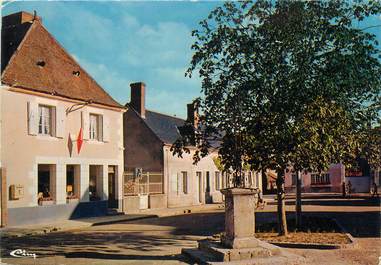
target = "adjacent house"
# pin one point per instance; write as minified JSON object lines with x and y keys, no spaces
{"x":61,"y":133}
{"x":154,"y":177}
{"x":329,"y":181}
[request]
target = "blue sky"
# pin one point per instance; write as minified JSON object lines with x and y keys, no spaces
{"x":120,"y":42}
{"x":123,"y":42}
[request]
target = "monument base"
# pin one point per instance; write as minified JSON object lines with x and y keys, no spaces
{"x":239,"y":242}
{"x":213,"y":252}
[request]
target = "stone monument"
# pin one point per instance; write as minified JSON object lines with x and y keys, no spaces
{"x":239,"y":218}
{"x":239,"y":241}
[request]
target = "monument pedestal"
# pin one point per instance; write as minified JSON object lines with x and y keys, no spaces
{"x":239,"y":242}
{"x":239,"y":218}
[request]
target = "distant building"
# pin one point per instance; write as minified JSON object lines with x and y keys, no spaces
{"x":61,"y":133}
{"x":332,"y":179}
{"x":329,"y":181}
{"x":360,"y":178}
{"x":154,"y":177}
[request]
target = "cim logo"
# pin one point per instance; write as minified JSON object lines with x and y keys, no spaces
{"x":21,"y":253}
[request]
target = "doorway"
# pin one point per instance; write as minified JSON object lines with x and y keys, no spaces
{"x":112,"y":201}
{"x":208,"y":197}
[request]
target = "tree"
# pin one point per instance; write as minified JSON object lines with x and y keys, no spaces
{"x":322,"y":134}
{"x":370,"y":146}
{"x":264,"y":65}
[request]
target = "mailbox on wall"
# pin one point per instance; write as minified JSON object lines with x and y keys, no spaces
{"x":16,"y":191}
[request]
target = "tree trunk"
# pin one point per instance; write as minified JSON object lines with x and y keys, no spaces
{"x":298,"y":203}
{"x":282,"y":221}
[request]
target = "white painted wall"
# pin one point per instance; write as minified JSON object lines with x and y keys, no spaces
{"x":173,"y":166}
{"x":22,"y":152}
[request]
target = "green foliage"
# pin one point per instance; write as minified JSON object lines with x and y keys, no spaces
{"x":285,"y":82}
{"x":218,"y":163}
{"x":370,"y":145}
{"x":323,"y":134}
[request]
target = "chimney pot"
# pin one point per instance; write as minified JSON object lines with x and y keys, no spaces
{"x":138,"y":98}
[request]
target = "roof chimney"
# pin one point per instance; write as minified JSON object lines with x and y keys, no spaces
{"x":193,"y":116}
{"x":19,"y":18}
{"x":138,"y":98}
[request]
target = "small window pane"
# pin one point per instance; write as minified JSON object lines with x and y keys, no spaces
{"x":94,"y":127}
{"x":44,"y":120}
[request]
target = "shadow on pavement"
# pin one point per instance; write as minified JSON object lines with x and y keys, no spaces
{"x":165,"y":235}
{"x":97,"y":244}
{"x":340,"y":202}
{"x":109,"y":256}
{"x":358,"y":224}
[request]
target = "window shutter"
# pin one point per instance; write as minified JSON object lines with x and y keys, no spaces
{"x":53,"y":121}
{"x":60,"y":121}
{"x":85,"y":124}
{"x":100,"y":128}
{"x":32,"y":118}
{"x":106,"y":129}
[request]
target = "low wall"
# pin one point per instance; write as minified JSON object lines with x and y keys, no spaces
{"x":359,"y":184}
{"x":217,"y":197}
{"x":52,"y":213}
{"x":131,"y":204}
{"x":315,"y":189}
{"x":156,"y":201}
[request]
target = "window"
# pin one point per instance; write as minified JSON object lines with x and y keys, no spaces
{"x":96,"y":183}
{"x":294,"y":178}
{"x":320,"y":178}
{"x":185,"y":181}
{"x":72,"y":181}
{"x":45,"y":120}
{"x":217,"y":180}
{"x":95,"y":127}
{"x":45,"y":183}
{"x":207,"y":180}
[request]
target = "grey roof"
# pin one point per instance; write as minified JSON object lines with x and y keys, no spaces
{"x":164,"y":126}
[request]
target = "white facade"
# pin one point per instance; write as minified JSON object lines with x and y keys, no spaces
{"x":25,"y":149}
{"x":203,"y":180}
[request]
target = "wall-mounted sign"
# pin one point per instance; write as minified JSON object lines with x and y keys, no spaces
{"x":353,"y":173}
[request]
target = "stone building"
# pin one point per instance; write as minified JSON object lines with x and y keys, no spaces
{"x":61,"y":133}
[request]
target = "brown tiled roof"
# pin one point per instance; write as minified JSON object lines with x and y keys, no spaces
{"x":26,"y":44}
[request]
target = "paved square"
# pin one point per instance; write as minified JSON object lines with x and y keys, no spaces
{"x":160,"y":240}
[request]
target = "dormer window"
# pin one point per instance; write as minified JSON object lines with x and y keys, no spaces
{"x":76,"y":73}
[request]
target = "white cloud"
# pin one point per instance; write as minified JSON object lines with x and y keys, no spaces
{"x":117,"y":86}
{"x":118,"y":47}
